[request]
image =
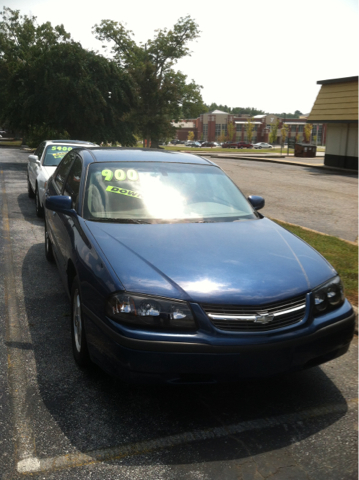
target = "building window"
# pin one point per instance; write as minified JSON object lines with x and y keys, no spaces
{"x":317,"y":131}
{"x":205,"y":132}
{"x":221,"y":128}
{"x":301,"y":129}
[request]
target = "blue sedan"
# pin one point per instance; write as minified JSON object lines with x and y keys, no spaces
{"x":174,"y":276}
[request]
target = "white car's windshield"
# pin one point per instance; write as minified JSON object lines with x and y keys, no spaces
{"x":162,"y":192}
{"x":54,"y":154}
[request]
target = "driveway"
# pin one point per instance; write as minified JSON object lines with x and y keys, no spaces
{"x":316,"y":198}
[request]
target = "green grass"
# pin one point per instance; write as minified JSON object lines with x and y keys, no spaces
{"x":10,"y":142}
{"x":341,"y":254}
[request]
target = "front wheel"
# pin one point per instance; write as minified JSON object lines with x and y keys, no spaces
{"x":30,"y":191}
{"x":79,"y":343}
{"x":39,"y":208}
{"x":48,"y":247}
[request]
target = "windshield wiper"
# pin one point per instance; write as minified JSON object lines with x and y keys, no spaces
{"x":119,"y":220}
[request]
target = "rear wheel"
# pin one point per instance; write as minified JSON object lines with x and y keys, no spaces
{"x":79,"y":343}
{"x":30,"y":191}
{"x":39,"y":208}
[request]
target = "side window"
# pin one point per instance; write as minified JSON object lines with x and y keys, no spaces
{"x":72,"y":186}
{"x":62,"y":171}
{"x":40,"y":150}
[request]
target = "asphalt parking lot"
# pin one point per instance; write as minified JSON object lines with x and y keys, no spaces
{"x":60,"y":422}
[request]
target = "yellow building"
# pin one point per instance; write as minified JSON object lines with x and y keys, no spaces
{"x":337,"y":106}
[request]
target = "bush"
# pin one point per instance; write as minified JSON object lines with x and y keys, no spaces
{"x":37,"y":135}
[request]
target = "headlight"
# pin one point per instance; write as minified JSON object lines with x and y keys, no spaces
{"x":328,"y":296}
{"x":150,"y":312}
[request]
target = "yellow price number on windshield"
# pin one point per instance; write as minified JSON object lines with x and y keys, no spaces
{"x":120,"y":175}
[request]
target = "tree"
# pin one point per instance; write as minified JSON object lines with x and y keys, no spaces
{"x":222,"y":137}
{"x":162,"y":93}
{"x":273,"y":132}
{"x":284,"y":135}
{"x":307,"y":132}
{"x":54,"y":87}
{"x":190,"y":136}
{"x":249,"y":129}
{"x":231,"y":131}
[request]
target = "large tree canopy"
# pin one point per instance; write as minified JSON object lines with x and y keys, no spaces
{"x":51,"y":84}
{"x":163,"y":94}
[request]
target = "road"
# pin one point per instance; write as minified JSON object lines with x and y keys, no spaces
{"x":59,"y":422}
{"x":319,"y":199}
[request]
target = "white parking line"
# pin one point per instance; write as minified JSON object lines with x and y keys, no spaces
{"x":33,"y":465}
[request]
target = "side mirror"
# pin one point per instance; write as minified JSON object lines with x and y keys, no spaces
{"x":256,"y":201}
{"x":60,"y":204}
{"x":34,"y":159}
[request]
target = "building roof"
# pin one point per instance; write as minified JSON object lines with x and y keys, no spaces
{"x":218,"y":112}
{"x":337,"y":101}
{"x":337,"y":80}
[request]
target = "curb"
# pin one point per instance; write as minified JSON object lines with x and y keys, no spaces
{"x":314,"y":231}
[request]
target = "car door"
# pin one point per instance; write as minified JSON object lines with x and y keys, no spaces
{"x":34,"y":168}
{"x":54,"y":219}
{"x":69,"y":225}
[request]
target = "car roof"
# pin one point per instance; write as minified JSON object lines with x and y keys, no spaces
{"x":122,"y":154}
{"x":82,"y":142}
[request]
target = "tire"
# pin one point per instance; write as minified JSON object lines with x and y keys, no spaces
{"x":30,"y":191}
{"x":39,"y":208}
{"x":48,"y":247}
{"x":78,"y":336}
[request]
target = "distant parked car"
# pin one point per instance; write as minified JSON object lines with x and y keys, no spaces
{"x":262,"y":145}
{"x":245,"y":145}
{"x":236,"y":145}
{"x":209,"y":144}
{"x":43,"y":163}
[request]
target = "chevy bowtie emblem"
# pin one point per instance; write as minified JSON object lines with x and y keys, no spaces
{"x":264,"y":318}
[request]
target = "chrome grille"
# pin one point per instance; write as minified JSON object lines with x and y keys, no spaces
{"x":239,"y":318}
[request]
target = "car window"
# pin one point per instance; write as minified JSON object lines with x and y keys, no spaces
{"x":158,"y":192}
{"x":72,"y":186}
{"x":62,"y":171}
{"x":54,"y":154}
{"x":39,"y":150}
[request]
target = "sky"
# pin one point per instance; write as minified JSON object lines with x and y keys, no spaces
{"x":265,"y":54}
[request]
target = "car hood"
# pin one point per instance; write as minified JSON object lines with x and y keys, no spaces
{"x":246,"y":262}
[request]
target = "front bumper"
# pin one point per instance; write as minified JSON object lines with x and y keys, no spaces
{"x":220,"y":360}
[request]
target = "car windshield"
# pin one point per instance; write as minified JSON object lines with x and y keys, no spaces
{"x":54,"y":154}
{"x":151,"y":192}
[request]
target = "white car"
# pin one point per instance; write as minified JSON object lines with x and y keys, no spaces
{"x":262,"y":145}
{"x":42,"y":164}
